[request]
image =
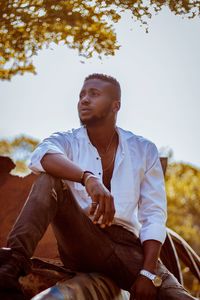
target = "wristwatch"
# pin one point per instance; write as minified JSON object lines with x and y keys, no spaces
{"x":156,"y":280}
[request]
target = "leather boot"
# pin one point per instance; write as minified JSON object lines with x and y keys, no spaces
{"x":12,"y":266}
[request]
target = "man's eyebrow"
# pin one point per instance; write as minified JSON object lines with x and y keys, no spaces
{"x":90,"y":89}
{"x":94,"y":89}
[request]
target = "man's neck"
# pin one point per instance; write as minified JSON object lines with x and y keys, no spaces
{"x":100,"y":135}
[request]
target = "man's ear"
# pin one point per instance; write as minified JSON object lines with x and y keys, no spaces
{"x":116,"y":105}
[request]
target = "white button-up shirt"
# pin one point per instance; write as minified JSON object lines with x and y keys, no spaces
{"x":137,"y":183}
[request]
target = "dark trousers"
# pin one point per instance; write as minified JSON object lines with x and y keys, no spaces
{"x":83,"y":246}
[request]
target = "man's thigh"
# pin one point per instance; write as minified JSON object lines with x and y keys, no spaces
{"x":82,"y":245}
{"x":126,"y":260}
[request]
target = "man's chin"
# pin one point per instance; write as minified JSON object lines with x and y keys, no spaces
{"x":87,"y":122}
{"x":83,"y":121}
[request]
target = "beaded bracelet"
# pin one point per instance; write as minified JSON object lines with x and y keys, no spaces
{"x":88,"y":177}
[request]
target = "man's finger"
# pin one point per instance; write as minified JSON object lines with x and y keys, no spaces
{"x":94,"y":204}
{"x":107,"y":216}
{"x":112,"y":209}
{"x":93,"y":207}
{"x":109,"y":210}
{"x":100,"y":210}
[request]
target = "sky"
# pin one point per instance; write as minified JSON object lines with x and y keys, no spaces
{"x":159,"y":73}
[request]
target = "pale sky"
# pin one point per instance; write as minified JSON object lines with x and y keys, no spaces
{"x":159,"y":73}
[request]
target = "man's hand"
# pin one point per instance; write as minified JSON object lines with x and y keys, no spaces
{"x":142,"y":289}
{"x":102,"y":202}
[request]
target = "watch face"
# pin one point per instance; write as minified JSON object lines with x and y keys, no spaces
{"x":157,"y":281}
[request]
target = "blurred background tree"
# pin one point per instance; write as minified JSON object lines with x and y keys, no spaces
{"x":19,"y":149}
{"x":183,"y":196}
{"x":27,"y":26}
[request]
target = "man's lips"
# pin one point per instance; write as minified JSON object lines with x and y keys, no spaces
{"x":83,"y":110}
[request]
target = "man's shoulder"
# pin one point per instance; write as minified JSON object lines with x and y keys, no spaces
{"x":69,"y":134}
{"x":132,"y":137}
{"x":140,"y":146}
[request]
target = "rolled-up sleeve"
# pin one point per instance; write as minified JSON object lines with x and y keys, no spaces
{"x":56,"y":143}
{"x":152,"y":211}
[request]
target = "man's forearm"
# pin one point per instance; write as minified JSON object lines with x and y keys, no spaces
{"x":151,"y":250}
{"x":58,"y":165}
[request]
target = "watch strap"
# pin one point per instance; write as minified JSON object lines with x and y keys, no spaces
{"x":147,"y":274}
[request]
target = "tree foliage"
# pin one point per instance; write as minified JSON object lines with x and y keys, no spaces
{"x":26,"y":26}
{"x":183,"y":195}
{"x":19,"y":149}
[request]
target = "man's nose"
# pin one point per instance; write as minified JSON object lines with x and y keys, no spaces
{"x":85,"y":99}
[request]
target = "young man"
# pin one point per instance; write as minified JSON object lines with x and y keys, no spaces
{"x":102,"y":189}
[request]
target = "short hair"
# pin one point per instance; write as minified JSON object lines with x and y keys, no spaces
{"x":106,"y":78}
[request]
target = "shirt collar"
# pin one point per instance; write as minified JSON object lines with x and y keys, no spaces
{"x":123,"y":134}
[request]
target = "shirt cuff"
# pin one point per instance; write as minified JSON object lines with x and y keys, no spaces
{"x":153,"y":232}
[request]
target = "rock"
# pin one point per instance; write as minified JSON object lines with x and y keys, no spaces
{"x":6,"y":165}
{"x":13,"y":193}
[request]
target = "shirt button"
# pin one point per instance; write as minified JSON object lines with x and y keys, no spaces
{"x":99,"y":173}
{"x":97,"y":158}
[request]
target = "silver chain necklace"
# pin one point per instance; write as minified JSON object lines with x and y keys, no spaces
{"x":109,"y":144}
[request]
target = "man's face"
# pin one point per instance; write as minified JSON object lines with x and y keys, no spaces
{"x":95,"y":101}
